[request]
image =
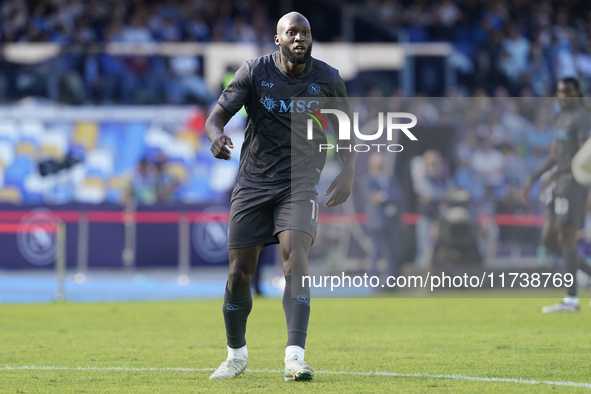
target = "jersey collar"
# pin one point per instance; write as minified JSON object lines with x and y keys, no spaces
{"x":302,"y":75}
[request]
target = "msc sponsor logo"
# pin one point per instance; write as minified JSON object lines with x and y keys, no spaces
{"x":287,"y":106}
{"x":300,"y":106}
{"x":268,"y":103}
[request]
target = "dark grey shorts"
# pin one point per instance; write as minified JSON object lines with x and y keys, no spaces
{"x":258,"y":215}
{"x":568,"y":202}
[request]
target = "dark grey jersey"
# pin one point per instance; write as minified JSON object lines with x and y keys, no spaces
{"x":270,"y":97}
{"x":571,"y":128}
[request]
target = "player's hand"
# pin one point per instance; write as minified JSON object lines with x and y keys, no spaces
{"x":219,"y":147}
{"x":525,"y":193}
{"x":340,"y":188}
{"x":547,"y":181}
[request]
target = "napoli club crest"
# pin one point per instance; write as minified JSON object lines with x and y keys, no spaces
{"x":313,"y":88}
{"x":210,"y":235}
{"x":35,"y":239}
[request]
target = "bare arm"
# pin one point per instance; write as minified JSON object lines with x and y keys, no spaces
{"x":343,"y":183}
{"x":549,"y":163}
{"x":214,"y":129}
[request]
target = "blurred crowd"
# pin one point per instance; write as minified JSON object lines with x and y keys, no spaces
{"x":524,"y":46}
{"x":83,"y":76}
{"x":491,"y":143}
{"x":472,"y":157}
{"x":518,"y":44}
{"x":84,"y":21}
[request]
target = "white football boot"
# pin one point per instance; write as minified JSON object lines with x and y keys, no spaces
{"x":229,"y":369}
{"x":297,"y":369}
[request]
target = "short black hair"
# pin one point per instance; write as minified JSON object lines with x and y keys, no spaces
{"x":573,"y":81}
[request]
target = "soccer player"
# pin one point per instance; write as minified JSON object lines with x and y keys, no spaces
{"x":272,"y":202}
{"x":566,"y":210}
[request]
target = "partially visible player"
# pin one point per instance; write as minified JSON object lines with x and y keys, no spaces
{"x":565,"y":211}
{"x":274,"y":200}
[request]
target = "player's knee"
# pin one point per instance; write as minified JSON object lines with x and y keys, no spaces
{"x":238,"y":279}
{"x":298,"y":258}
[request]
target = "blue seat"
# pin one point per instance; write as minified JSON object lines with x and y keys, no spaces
{"x":20,"y":168}
{"x":30,"y":197}
{"x":132,"y":146}
{"x":196,"y":190}
{"x":110,"y":136}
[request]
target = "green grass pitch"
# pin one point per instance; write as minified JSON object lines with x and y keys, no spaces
{"x":472,"y":337}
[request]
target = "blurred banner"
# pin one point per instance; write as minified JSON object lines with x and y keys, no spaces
{"x":156,"y":233}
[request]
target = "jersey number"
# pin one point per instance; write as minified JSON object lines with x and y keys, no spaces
{"x":314,"y":210}
{"x":560,"y":206}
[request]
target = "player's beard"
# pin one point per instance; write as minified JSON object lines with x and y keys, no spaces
{"x":292,"y":57}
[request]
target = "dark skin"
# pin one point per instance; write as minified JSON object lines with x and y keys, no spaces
{"x":293,"y":31}
{"x":559,"y":238}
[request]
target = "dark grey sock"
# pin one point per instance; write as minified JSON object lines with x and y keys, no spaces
{"x":297,"y":311}
{"x":236,"y":309}
{"x":571,"y":264}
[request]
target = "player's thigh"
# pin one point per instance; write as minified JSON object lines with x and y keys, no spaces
{"x":297,"y":209}
{"x":294,"y":247}
{"x":251,"y":218}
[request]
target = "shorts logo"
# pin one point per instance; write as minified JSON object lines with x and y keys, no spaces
{"x":303,"y":298}
{"x":232,"y":307}
{"x":313,"y":88}
{"x":562,"y":134}
{"x":268,"y":103}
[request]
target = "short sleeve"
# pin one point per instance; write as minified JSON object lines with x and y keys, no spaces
{"x":584,"y":127}
{"x":237,"y":93}
{"x":340,"y":94}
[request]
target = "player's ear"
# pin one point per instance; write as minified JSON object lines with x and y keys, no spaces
{"x":276,"y":38}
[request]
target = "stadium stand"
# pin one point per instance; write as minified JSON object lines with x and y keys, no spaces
{"x":496,"y":44}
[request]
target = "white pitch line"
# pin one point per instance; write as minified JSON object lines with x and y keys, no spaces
{"x":376,"y":373}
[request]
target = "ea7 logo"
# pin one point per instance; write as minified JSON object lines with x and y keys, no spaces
{"x":267,"y":84}
{"x":345,"y":124}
